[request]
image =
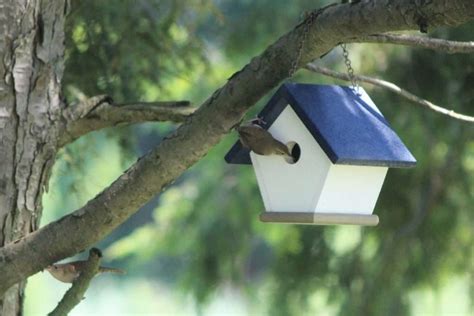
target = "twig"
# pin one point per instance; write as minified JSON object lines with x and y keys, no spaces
{"x":450,"y":47}
{"x":394,"y":88}
{"x":75,"y":294}
{"x":100,"y":112}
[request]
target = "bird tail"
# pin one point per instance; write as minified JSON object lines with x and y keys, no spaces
{"x":111,"y":270}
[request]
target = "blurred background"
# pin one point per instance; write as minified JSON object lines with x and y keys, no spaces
{"x":199,"y":248}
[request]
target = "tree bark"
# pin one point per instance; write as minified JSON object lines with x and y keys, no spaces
{"x":32,"y":49}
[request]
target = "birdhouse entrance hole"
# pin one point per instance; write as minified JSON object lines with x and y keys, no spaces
{"x":295,"y":151}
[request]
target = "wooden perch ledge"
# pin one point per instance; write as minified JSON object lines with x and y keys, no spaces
{"x":212,"y":121}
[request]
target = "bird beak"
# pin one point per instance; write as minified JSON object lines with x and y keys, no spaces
{"x":290,"y":146}
{"x":290,"y":160}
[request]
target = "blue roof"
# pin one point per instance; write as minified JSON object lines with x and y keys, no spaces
{"x":348,"y":127}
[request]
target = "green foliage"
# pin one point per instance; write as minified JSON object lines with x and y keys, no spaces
{"x":121,"y":47}
{"x":203,"y":233}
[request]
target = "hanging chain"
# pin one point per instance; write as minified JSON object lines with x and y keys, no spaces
{"x":350,"y":70}
{"x":307,"y":22}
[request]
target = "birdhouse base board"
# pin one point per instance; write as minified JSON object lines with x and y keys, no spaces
{"x":319,"y":218}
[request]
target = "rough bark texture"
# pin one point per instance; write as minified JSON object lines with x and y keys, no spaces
{"x":212,"y":121}
{"x":31,"y":50}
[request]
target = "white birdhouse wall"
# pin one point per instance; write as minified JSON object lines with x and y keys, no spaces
{"x":291,"y":187}
{"x":351,"y":189}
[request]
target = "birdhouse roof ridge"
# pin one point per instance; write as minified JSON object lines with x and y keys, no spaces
{"x":348,"y":127}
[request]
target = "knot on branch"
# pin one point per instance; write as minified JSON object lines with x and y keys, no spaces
{"x":95,"y":252}
{"x":82,"y":109}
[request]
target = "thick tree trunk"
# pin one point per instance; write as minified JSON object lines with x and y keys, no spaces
{"x":31,"y":50}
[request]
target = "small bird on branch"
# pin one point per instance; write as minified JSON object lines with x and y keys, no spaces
{"x":254,"y":137}
{"x":68,"y":272}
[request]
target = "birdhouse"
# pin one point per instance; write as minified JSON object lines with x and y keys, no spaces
{"x":342,"y":147}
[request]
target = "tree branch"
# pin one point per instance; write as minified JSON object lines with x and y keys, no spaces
{"x":211,"y":122}
{"x":394,"y":88}
{"x":450,"y":47}
{"x":75,"y":294}
{"x":100,"y":112}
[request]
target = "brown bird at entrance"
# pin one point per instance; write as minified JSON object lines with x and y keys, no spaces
{"x":260,"y":141}
{"x":68,"y":272}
